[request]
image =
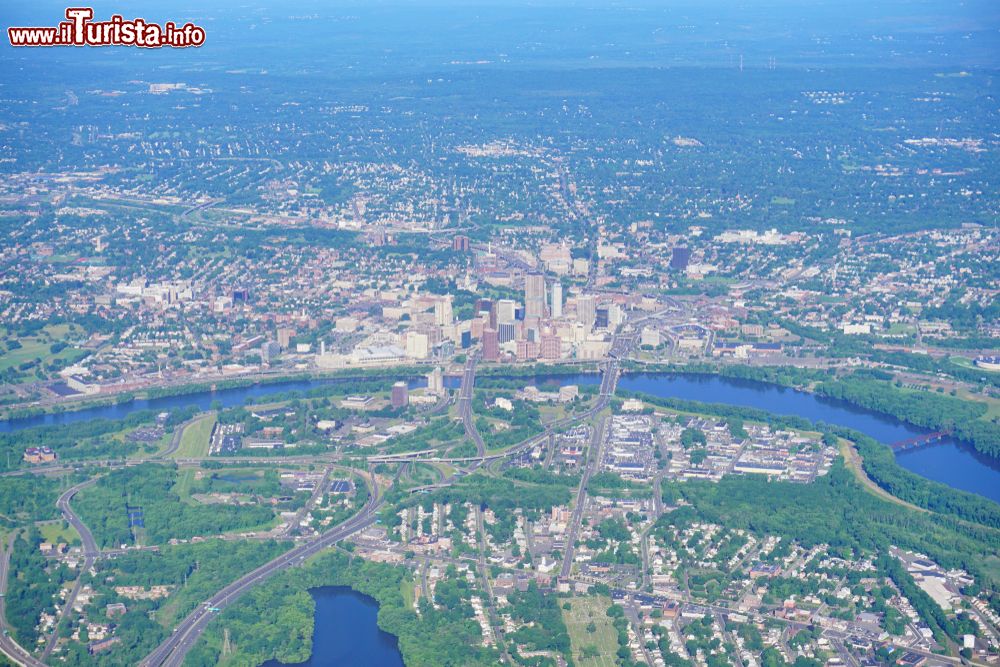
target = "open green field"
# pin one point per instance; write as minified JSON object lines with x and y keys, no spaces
{"x":194,"y":440}
{"x":39,"y":346}
{"x":54,"y":533}
{"x":182,"y":487}
{"x":591,"y":649}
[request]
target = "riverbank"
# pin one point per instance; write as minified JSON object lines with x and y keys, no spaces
{"x":171,"y":391}
{"x":971,"y":420}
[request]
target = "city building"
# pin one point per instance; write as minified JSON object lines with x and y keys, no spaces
{"x":285,"y":335}
{"x":506,"y":331}
{"x":269,"y":351}
{"x":586,"y":310}
{"x":435,"y":381}
{"x":555,"y":308}
{"x":534,"y":296}
{"x":491,"y":345}
{"x":506,"y":311}
{"x":550,"y":347}
{"x":443,"y":315}
{"x":400,"y":395}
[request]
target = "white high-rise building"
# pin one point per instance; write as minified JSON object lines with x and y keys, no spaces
{"x":555,"y":308}
{"x":505,"y":311}
{"x":435,"y":382}
{"x":417,"y":345}
{"x":443,"y":315}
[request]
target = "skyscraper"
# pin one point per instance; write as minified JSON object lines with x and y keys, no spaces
{"x":505,"y":311}
{"x":586,"y":310}
{"x":443,"y":315}
{"x":491,"y":345}
{"x":534,"y":296}
{"x":506,"y":331}
{"x":555,"y":309}
{"x":400,"y":395}
{"x":435,"y":381}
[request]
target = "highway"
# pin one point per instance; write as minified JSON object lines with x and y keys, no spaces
{"x":593,"y":460}
{"x":91,"y":551}
{"x":465,"y":405}
{"x":172,"y":651}
{"x":10,"y":647}
{"x":90,"y":548}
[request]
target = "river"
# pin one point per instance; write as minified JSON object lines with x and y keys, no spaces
{"x":227,"y":398}
{"x":949,"y":462}
{"x":346,"y":632}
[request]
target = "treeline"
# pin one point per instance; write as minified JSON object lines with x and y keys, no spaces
{"x":275,"y":620}
{"x":32,"y":586}
{"x":880,"y":465}
{"x":194,"y":571}
{"x":31,"y":498}
{"x":934,"y":411}
{"x":150,"y":486}
{"x":539,"y":475}
{"x":878,"y":460}
{"x":834,"y":510}
{"x":79,"y":440}
{"x":500,"y":495}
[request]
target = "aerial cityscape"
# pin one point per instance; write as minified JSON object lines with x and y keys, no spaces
{"x":552,"y":334}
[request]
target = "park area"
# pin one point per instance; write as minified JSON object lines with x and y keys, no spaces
{"x":592,"y":636}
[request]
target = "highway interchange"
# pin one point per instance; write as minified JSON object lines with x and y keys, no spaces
{"x":172,"y":651}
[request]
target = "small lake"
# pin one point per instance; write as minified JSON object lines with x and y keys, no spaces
{"x":346,"y":632}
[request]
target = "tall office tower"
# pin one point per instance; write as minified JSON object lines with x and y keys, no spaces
{"x":400,"y":395}
{"x":534,"y":296}
{"x":506,"y":331}
{"x":435,"y":381}
{"x":555,"y":309}
{"x":491,"y":345}
{"x":505,"y":311}
{"x":601,"y":321}
{"x":586,"y":310}
{"x":442,"y":311}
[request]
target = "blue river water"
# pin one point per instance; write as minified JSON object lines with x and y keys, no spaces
{"x":346,"y":632}
{"x":949,"y":462}
{"x":227,"y":398}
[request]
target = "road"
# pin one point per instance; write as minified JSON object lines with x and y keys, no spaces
{"x":465,"y":405}
{"x":90,"y":548}
{"x":10,"y":647}
{"x":593,"y":461}
{"x":172,"y":651}
{"x":178,"y":435}
{"x":90,"y":554}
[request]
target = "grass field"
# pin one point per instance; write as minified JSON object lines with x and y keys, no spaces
{"x":38,"y":346}
{"x":194,"y":441}
{"x":182,"y":487}
{"x":599,"y":646}
{"x":54,"y":533}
